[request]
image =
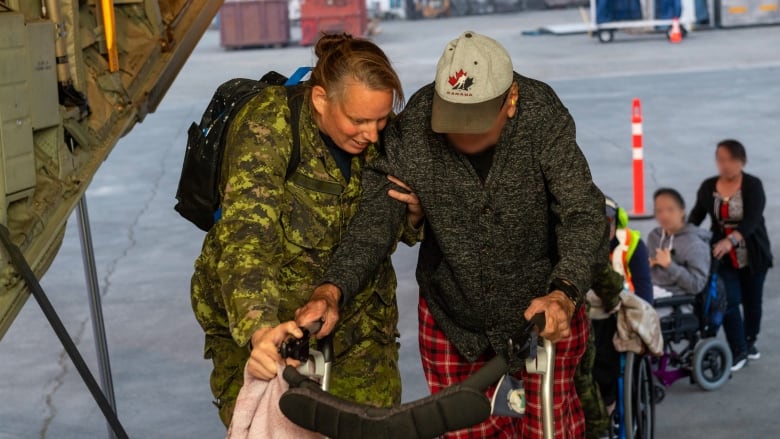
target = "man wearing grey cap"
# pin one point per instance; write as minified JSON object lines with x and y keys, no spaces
{"x":513,"y":226}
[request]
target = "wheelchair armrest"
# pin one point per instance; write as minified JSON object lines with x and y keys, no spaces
{"x":673,"y":301}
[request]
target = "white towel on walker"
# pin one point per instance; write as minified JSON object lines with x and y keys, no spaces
{"x":257,"y":414}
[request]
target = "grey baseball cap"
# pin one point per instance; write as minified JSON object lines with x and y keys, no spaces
{"x":472,"y":78}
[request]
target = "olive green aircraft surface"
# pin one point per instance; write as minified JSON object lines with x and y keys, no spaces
{"x":75,"y":76}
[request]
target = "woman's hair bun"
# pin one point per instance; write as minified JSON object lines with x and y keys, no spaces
{"x":340,"y":57}
{"x":329,"y":43}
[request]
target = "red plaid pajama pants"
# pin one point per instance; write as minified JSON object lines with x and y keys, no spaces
{"x":444,"y":366}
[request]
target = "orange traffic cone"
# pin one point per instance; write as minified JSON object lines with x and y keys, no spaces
{"x":675,"y":34}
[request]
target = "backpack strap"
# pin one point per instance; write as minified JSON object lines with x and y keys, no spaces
{"x":297,"y":77}
{"x":295,"y":97}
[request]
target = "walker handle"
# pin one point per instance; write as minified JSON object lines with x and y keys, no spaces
{"x":539,"y":320}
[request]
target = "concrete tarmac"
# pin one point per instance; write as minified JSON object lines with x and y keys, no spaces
{"x":716,"y":84}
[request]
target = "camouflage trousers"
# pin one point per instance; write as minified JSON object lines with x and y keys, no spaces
{"x":596,"y":418}
{"x":365,"y":369}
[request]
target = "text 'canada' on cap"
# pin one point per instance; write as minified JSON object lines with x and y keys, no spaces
{"x":472,"y":78}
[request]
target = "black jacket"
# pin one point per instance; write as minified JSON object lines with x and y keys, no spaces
{"x":492,"y":247}
{"x":752,"y":226}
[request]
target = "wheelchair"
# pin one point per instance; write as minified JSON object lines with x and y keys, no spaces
{"x":635,"y":411}
{"x":691,"y":347}
{"x":634,"y":385}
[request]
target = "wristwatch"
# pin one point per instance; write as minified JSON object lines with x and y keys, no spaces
{"x":568,"y":288}
{"x":733,"y":240}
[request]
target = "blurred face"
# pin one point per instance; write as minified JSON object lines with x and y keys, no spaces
{"x":469,"y":143}
{"x":729,"y":167}
{"x":476,"y":143}
{"x":668,"y":213}
{"x":354,"y":119}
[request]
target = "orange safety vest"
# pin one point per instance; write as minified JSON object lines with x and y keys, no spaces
{"x":628,"y":240}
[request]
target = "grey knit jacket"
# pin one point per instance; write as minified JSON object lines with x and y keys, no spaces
{"x":492,"y":247}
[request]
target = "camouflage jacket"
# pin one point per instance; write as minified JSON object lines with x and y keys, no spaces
{"x":270,"y":248}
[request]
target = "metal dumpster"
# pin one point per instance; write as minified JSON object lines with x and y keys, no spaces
{"x":332,"y":16}
{"x":246,"y":23}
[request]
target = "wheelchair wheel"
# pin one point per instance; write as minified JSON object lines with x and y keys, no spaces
{"x":711,"y":364}
{"x":639,"y":398}
{"x":660,"y":393}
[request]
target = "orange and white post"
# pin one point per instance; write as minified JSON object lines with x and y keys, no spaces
{"x":675,"y":34}
{"x":638,"y":158}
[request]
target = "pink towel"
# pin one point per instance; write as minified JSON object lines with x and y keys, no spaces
{"x":257,"y":414}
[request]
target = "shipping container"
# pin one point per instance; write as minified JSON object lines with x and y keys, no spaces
{"x":247,"y":23}
{"x":731,"y":13}
{"x":332,"y":16}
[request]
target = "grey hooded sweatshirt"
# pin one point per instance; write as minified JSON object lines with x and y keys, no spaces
{"x":691,"y":256}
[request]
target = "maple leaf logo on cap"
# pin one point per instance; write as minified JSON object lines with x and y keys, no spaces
{"x":461,"y":81}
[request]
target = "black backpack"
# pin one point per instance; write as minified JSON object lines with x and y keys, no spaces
{"x":198,"y":194}
{"x":711,"y":303}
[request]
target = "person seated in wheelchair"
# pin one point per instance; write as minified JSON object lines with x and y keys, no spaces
{"x":622,"y":320}
{"x":680,"y":256}
{"x":688,"y":296}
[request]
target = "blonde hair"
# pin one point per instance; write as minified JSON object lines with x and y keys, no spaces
{"x":340,"y":57}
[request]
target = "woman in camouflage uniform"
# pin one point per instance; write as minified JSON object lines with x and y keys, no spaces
{"x":260,"y":262}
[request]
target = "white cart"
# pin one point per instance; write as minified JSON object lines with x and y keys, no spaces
{"x":605,"y":32}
